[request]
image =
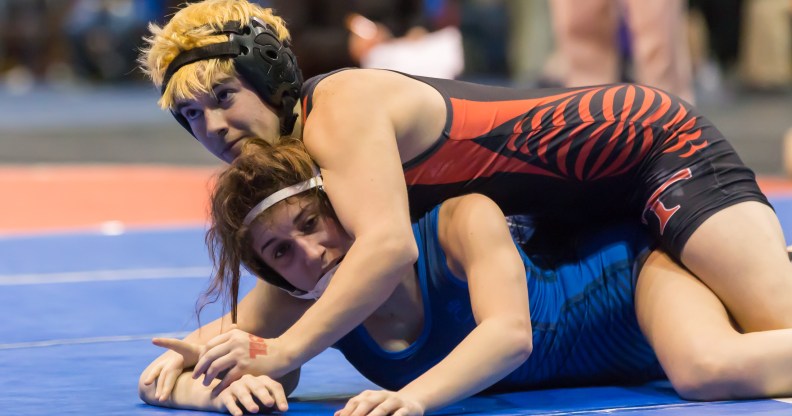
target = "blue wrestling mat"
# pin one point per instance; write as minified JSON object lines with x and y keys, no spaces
{"x":79,"y":311}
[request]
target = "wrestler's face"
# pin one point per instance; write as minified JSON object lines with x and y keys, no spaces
{"x":299,"y":242}
{"x":223,"y":119}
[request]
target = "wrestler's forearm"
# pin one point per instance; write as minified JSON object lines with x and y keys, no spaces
{"x":362,"y":284}
{"x":490,"y":352}
{"x":187,"y":394}
{"x":203,"y":334}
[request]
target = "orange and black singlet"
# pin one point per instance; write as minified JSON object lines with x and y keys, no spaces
{"x":579,"y":156}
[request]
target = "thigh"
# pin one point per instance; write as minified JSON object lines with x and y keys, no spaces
{"x":703,"y":353}
{"x":691,"y":175}
{"x":681,"y":318}
{"x":740,"y":254}
{"x":710,"y":214}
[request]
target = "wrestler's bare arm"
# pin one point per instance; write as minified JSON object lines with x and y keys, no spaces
{"x":361,"y":123}
{"x":479,"y":248}
{"x":265,"y":311}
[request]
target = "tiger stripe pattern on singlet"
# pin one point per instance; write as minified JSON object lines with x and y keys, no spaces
{"x":583,"y":134}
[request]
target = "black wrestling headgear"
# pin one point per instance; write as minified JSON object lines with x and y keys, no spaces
{"x":268,"y":64}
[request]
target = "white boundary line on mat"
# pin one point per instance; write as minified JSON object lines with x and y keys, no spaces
{"x":90,"y":340}
{"x":105,"y":275}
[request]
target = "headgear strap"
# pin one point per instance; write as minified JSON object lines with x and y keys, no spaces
{"x":215,"y":50}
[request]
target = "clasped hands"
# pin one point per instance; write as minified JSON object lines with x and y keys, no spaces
{"x":248,"y":362}
{"x":242,"y":361}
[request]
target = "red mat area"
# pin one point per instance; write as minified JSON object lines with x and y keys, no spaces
{"x":68,"y":198}
{"x":64,"y":198}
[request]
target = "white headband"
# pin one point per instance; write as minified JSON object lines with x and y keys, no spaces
{"x":284,"y":193}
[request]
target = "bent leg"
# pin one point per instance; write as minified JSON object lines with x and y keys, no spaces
{"x":702,"y":353}
{"x":740,"y":254}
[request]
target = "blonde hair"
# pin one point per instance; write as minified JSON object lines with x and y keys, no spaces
{"x":261,"y":170}
{"x":191,"y":27}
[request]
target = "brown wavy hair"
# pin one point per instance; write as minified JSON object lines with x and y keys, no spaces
{"x":259,"y":171}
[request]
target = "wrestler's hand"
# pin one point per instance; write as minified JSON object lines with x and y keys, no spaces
{"x":381,"y":402}
{"x":248,"y":392}
{"x":237,"y":353}
{"x":168,"y":366}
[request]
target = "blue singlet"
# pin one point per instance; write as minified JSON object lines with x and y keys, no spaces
{"x":582,"y":312}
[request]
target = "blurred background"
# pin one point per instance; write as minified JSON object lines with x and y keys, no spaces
{"x":70,"y":91}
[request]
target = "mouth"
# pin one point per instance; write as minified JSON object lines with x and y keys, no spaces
{"x":331,"y":265}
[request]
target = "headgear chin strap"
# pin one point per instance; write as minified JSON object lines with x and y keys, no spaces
{"x":268,"y":64}
{"x":318,"y":290}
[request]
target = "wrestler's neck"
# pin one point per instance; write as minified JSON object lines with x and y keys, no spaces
{"x":297,"y":130}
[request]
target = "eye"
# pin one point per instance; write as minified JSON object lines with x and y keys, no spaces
{"x":310,"y":224}
{"x":224,"y":95}
{"x":280,"y":250}
{"x":190,"y":113}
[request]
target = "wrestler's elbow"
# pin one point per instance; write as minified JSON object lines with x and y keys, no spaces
{"x":404,"y":252}
{"x":396,"y":245}
{"x":407,"y":250}
{"x":406,"y":246}
{"x":522,"y":341}
{"x":516,"y":336}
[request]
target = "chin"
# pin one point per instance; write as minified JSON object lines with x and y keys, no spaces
{"x":227,"y":157}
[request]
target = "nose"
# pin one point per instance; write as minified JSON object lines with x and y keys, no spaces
{"x":314,"y":251}
{"x":216,"y":124}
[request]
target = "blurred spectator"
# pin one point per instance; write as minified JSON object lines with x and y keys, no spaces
{"x":321,"y":38}
{"x":435,"y":54}
{"x":748,"y":41}
{"x":105,"y":35}
{"x":587,"y":33}
{"x":723,"y":19}
{"x":714,"y":30}
{"x":59,"y":40}
{"x":485,"y":32}
{"x":766,"y":50}
{"x":30,"y":41}
{"x":533,"y":62}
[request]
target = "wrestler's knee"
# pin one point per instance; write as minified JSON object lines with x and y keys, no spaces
{"x":704,"y":373}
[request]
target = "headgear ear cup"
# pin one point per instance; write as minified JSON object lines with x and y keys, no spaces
{"x":270,"y":66}
{"x":265,"y":62}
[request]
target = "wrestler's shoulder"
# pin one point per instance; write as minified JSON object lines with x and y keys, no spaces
{"x":372,"y":82}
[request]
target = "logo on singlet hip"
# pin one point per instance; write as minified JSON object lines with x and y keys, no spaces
{"x":655,"y":205}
